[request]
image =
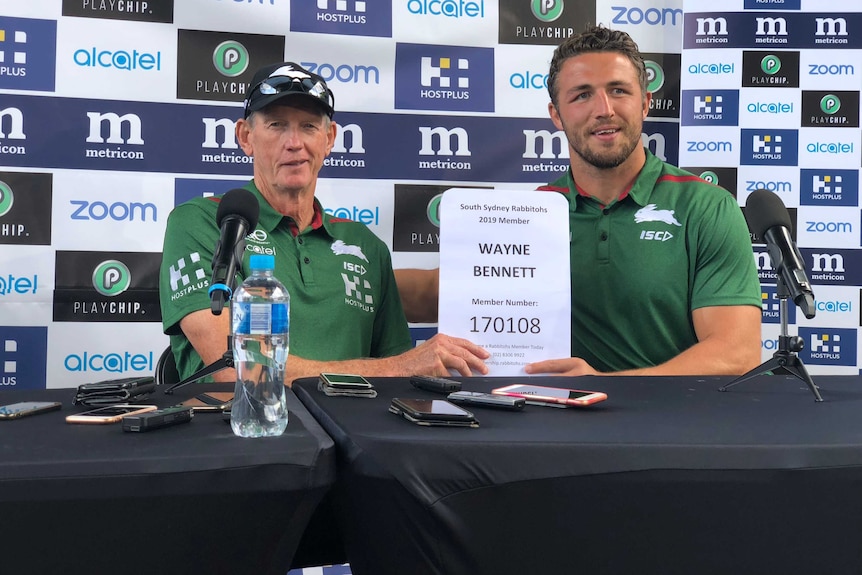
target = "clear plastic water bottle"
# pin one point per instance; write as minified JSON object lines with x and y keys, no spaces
{"x":259,"y":316}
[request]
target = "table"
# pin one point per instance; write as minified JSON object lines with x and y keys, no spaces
{"x":668,"y":476}
{"x":191,"y":498}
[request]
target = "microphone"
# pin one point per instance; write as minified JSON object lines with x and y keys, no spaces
{"x":237,"y":215}
{"x":768,"y":218}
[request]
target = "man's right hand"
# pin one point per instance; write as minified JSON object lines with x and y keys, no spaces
{"x":443,"y":353}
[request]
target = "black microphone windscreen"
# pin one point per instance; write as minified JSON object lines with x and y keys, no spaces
{"x":239,"y":202}
{"x":764,"y":210}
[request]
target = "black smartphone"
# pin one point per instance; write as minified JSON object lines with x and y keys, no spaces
{"x":345,"y":381}
{"x":435,"y":384}
{"x":25,"y":408}
{"x":214,"y":401}
{"x":159,"y":418}
{"x":432,"y":412}
{"x":479,"y":399}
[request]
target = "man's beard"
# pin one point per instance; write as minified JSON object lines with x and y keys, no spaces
{"x":609,"y":159}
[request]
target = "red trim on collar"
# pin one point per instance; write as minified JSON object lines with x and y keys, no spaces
{"x":316,"y":221}
{"x":553,"y":189}
{"x":672,"y":178}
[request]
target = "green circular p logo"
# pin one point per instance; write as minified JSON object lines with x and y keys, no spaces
{"x":710,"y":177}
{"x":655,"y":76}
{"x":230,"y":58}
{"x":111,"y":278}
{"x":830,"y":104}
{"x":770,"y":64}
{"x":6,"y":198}
{"x":547,"y":10}
{"x":433,"y":210}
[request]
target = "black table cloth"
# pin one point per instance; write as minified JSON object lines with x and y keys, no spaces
{"x":190,"y":498}
{"x":667,"y":476}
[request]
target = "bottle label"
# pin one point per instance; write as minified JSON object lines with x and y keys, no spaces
{"x":260,"y":318}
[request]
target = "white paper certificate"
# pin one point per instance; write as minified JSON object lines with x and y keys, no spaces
{"x":504,"y":274}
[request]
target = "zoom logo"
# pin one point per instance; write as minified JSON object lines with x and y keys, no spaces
{"x":651,"y":16}
{"x":230,"y":58}
{"x":547,"y":10}
{"x":118,"y":211}
{"x":357,"y":74}
{"x":111,"y":278}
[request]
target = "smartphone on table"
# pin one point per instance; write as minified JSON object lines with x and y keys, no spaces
{"x":553,"y":396}
{"x":25,"y":408}
{"x":345,"y":381}
{"x":109,"y":413}
{"x":436,"y":412}
{"x":479,"y":399}
{"x":214,"y":401}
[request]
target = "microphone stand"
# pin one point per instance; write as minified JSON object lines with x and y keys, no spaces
{"x":224,"y":362}
{"x":785,"y":357}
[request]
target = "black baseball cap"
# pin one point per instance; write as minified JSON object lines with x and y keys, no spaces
{"x":277,"y":81}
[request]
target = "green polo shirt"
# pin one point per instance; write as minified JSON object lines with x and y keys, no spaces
{"x":672,"y":244}
{"x":344,"y":302}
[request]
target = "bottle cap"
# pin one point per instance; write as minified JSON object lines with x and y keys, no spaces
{"x":261,"y":262}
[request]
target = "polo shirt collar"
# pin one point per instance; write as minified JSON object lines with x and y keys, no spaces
{"x":270,"y":218}
{"x":642,"y":187}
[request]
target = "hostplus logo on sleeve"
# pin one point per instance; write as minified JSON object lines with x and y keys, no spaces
{"x":27,"y":54}
{"x":187,"y":275}
{"x":444,"y":78}
{"x":351,"y":17}
{"x":23,"y":357}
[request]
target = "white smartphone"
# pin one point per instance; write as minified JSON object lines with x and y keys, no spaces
{"x":109,"y":413}
{"x":556,"y":396}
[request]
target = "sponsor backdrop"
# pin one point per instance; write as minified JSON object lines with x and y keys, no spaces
{"x":114,"y":111}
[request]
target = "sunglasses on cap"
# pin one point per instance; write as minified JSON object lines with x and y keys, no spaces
{"x":287,"y":85}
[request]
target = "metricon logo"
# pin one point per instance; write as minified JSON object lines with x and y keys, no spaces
{"x":6,"y":199}
{"x":770,"y":64}
{"x":230,"y":58}
{"x":547,"y":10}
{"x":830,"y":104}
{"x":111,"y":278}
{"x":433,"y":210}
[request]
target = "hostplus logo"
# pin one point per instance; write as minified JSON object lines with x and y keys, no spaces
{"x":350,"y":11}
{"x":771,"y":31}
{"x":710,"y":108}
{"x":23,"y":357}
{"x":12,"y":128}
{"x":444,"y":78}
{"x":711,"y":31}
{"x":829,"y":187}
{"x":94,"y":57}
{"x":825,"y":346}
{"x":770,"y":305}
{"x":27,"y":53}
{"x":453,"y":8}
{"x":830,"y":31}
{"x":438,"y":141}
{"x":352,"y":17}
{"x":769,"y":147}
{"x":187,"y":275}
{"x":114,"y":126}
{"x":357,"y":289}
